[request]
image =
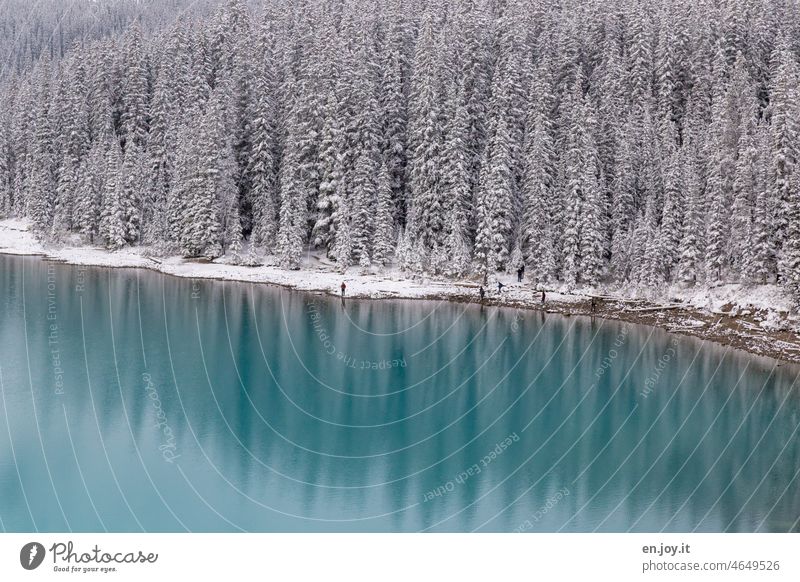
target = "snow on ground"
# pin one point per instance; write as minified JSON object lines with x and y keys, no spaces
{"x":728,"y":297}
{"x":15,"y":239}
{"x":318,"y":273}
{"x":768,"y":305}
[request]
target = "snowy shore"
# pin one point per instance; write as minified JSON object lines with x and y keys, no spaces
{"x":753,"y":318}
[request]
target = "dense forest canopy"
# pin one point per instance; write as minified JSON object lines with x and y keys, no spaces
{"x":31,"y":28}
{"x":639,"y":141}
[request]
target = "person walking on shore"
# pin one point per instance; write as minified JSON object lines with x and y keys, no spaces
{"x":520,"y":274}
{"x":543,"y":297}
{"x":482,"y":293}
{"x":344,"y":288}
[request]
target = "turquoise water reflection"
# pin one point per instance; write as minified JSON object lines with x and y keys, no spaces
{"x":133,"y":401}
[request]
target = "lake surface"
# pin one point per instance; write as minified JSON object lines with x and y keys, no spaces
{"x":134,"y":401}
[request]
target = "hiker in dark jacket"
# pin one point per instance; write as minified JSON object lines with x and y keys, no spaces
{"x":542,"y":295}
{"x":344,"y":287}
{"x":520,"y":273}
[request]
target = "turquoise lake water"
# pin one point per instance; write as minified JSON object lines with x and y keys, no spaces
{"x":133,"y":401}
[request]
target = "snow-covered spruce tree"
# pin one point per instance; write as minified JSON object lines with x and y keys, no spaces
{"x":610,"y":92}
{"x":475,"y":71}
{"x":160,"y":155}
{"x":746,"y":185}
{"x":383,"y":241}
{"x":21,"y":143}
{"x":497,"y":200}
{"x":758,"y":263}
{"x":393,"y":105}
{"x":331,"y":187}
{"x":403,"y":253}
{"x":58,"y":113}
{"x":640,"y":55}
{"x":672,"y":216}
{"x":112,"y":228}
{"x":717,"y":196}
{"x":583,"y":232}
{"x":791,"y":250}
{"x":367,"y":158}
{"x":537,"y":195}
{"x":364,"y":202}
{"x":690,"y":267}
{"x":199,"y":222}
{"x":211,"y":219}
{"x":456,"y":187}
{"x":132,"y":184}
{"x":89,"y":190}
{"x":343,"y":245}
{"x":298,"y":174}
{"x":785,"y":129}
{"x":240,"y":61}
{"x":184,"y":179}
{"x":100,"y":91}
{"x":135,"y":116}
{"x":649,"y":263}
{"x":40,"y":186}
{"x":6,"y":158}
{"x":426,"y":211}
{"x":665,"y":66}
{"x":495,"y":195}
{"x":623,"y":200}
{"x":263,"y":163}
{"x":508,"y":89}
{"x":593,"y":208}
{"x":75,"y":144}
{"x":222,"y":157}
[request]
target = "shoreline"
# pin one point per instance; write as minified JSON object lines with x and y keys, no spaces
{"x":746,"y":327}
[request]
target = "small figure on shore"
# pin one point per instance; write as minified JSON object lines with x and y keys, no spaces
{"x":344,"y":287}
{"x":520,"y":273}
{"x":543,"y":297}
{"x":482,"y":293}
{"x":499,"y":287}
{"x":594,"y":304}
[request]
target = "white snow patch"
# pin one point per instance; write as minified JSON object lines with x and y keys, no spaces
{"x":320,"y":274}
{"x":16,"y":239}
{"x":740,"y":296}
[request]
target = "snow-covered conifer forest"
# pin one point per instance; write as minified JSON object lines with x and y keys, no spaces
{"x":641,"y":141}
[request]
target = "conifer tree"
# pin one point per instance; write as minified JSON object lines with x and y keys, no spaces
{"x":384,"y":236}
{"x":135,"y":95}
{"x":89,"y":190}
{"x":495,"y":195}
{"x":112,"y":226}
{"x":690,"y":268}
